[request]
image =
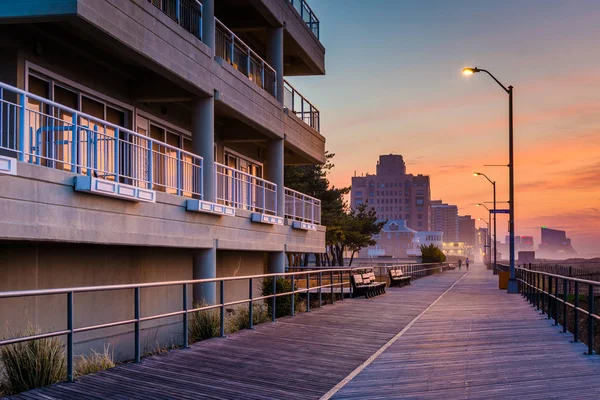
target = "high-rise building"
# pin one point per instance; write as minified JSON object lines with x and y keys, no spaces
{"x":145,"y":141}
{"x":483,"y":245}
{"x":394,"y":194}
{"x":466,"y":230}
{"x":555,"y":243}
{"x":444,"y":218}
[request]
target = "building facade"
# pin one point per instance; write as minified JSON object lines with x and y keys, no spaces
{"x":444,"y":218}
{"x":395,"y":240}
{"x":394,"y":194}
{"x":555,"y":243}
{"x":145,"y":141}
{"x":466,"y":230}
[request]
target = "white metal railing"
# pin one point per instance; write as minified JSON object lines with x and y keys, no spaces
{"x":234,"y":51}
{"x":242,"y":190}
{"x":301,"y":207}
{"x":187,"y":13}
{"x":307,"y":15}
{"x":303,"y":108}
{"x":41,"y":132}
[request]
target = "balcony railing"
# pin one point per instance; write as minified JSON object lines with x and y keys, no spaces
{"x":187,"y":13}
{"x":307,"y":15}
{"x":239,"y":189}
{"x":301,"y":207}
{"x":303,"y":109}
{"x":41,"y":132}
{"x":234,"y":51}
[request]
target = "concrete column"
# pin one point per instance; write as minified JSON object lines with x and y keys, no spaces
{"x":203,"y":139}
{"x":205,"y":267}
{"x":274,"y":171}
{"x":277,"y":262}
{"x":275,"y":57}
{"x":208,"y":23}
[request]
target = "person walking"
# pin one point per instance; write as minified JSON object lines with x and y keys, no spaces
{"x":467,"y":263}
{"x":459,"y":263}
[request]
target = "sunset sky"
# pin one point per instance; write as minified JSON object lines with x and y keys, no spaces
{"x":394,"y":85}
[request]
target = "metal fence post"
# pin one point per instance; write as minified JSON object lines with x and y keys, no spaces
{"x":178,"y":10}
{"x":308,"y":291}
{"x":70,"y":337}
{"x":576,"y":314}
{"x":137,"y":313}
{"x":590,"y":320}
{"x":320,"y":283}
{"x":250,"y":307}
{"x":74,"y":143}
{"x":550,"y":303}
{"x":332,"y":287}
{"x":185,"y":317}
{"x":293,"y":296}
{"x":22,"y":118}
{"x":116,"y":154}
{"x":274,"y":301}
{"x":179,"y":173}
{"x":537,"y":290}
{"x":564,"y":306}
{"x":222,"y":300}
{"x":341,"y":274}
{"x":543,"y":277}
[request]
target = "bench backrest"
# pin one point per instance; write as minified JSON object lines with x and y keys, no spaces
{"x":357,"y":280}
{"x":396,"y":273}
{"x":369,"y":277}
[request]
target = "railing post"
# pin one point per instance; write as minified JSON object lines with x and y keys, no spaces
{"x":262,"y":74}
{"x":69,"y":336}
{"x":543,"y":293}
{"x":264,"y":198}
{"x":549,"y":297}
{"x":136,"y":307}
{"x":590,"y":320}
{"x":332,"y":287}
{"x":179,"y":174}
{"x":185,"y":317}
{"x":293,"y":297}
{"x":251,"y":304}
{"x":308,"y":291}
{"x":116,"y":154}
{"x":564,"y":305}
{"x":222,"y":300}
{"x":23,"y":122}
{"x":178,"y":11}
{"x":576,"y":314}
{"x":74,"y":143}
{"x":150,"y":165}
{"x":274,"y":301}
{"x":537,"y":290}
{"x":320,"y":289}
{"x":231,"y":50}
{"x":341,"y":273}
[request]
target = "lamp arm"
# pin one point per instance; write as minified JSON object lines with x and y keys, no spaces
{"x":494,"y":78}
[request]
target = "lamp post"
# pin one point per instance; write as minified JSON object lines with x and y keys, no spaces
{"x":512,"y":282}
{"x":489,"y":233}
{"x":488,"y":238}
{"x":495,"y":238}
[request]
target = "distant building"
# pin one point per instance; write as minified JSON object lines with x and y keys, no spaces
{"x":427,"y":238}
{"x":466,"y":230}
{"x":444,"y":218}
{"x":527,"y":243}
{"x":394,"y":194}
{"x":555,"y":243}
{"x":483,"y":244}
{"x":456,"y":249}
{"x":396,"y":240}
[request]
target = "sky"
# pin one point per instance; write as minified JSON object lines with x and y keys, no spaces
{"x":394,"y":85}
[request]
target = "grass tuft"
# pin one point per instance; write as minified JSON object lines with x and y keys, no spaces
{"x":95,"y":362}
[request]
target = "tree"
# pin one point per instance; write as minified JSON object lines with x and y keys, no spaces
{"x":432,"y":254}
{"x":360,"y":228}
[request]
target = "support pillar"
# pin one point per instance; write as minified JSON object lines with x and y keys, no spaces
{"x":274,"y":171}
{"x":208,"y":23}
{"x":277,"y":262}
{"x":275,"y":57}
{"x":205,"y":267}
{"x":203,"y":139}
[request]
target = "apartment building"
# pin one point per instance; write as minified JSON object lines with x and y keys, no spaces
{"x":466,"y":230}
{"x":394,"y":194}
{"x":444,"y":218}
{"x":145,"y":140}
{"x":395,"y":240}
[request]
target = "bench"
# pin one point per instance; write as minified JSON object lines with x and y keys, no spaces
{"x":365,"y":285}
{"x":397,"y":278}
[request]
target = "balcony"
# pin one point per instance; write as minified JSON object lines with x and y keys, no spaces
{"x":187,"y":13}
{"x":301,"y":107}
{"x":307,"y":15}
{"x":303,"y":208}
{"x":238,"y":189}
{"x":235,"y":52}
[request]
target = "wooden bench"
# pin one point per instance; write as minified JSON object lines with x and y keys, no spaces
{"x":397,"y":278}
{"x":365,"y":285}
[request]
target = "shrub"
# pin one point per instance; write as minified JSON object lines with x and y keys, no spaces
{"x":94,"y":362}
{"x":204,"y":324}
{"x":33,"y":364}
{"x":240,"y":319}
{"x":283,"y":303}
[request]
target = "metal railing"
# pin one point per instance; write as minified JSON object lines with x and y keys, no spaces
{"x":569,"y":301}
{"x":239,"y":189}
{"x":307,"y":15}
{"x":41,"y":132}
{"x":301,"y":207}
{"x":187,"y":13}
{"x":301,"y":283}
{"x":303,"y":109}
{"x":234,"y":51}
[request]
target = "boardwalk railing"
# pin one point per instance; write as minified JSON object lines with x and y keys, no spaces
{"x":234,"y":51}
{"x":569,"y":301}
{"x":187,"y":13}
{"x":303,"y":109}
{"x":301,"y":283}
{"x":307,"y":15}
{"x":239,"y":189}
{"x":301,"y":207}
{"x":41,"y":132}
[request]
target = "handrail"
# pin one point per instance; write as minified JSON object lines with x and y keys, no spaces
{"x":233,"y":50}
{"x":543,"y":291}
{"x":243,"y":190}
{"x":295,"y":102}
{"x":302,"y":7}
{"x":308,"y":209}
{"x":187,"y":13}
{"x":58,"y":136}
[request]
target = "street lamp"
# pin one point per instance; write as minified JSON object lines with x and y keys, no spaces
{"x":495,"y":238}
{"x":512,"y":283}
{"x":487,"y":236}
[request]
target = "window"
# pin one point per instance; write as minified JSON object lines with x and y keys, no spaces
{"x":420,"y":216}
{"x":371,"y":184}
{"x":357,"y":202}
{"x":371,"y":194}
{"x":420,"y":208}
{"x":406,"y":201}
{"x":359,"y":193}
{"x":406,"y":216}
{"x":420,"y":201}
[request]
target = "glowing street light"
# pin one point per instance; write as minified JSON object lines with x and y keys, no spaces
{"x":495,"y":238}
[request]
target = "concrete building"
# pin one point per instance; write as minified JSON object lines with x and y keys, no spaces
{"x":555,"y":243}
{"x":395,"y":240}
{"x":394,"y":194}
{"x":145,"y":141}
{"x":444,"y":218}
{"x":483,"y":245}
{"x":427,"y":238}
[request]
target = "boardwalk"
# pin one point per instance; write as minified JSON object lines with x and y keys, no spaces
{"x":474,"y":342}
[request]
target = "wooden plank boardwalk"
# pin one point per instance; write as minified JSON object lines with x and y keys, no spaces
{"x":474,"y":342}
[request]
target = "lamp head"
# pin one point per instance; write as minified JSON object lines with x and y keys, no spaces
{"x":478,"y":205}
{"x":470,"y":70}
{"x":476,"y":173}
